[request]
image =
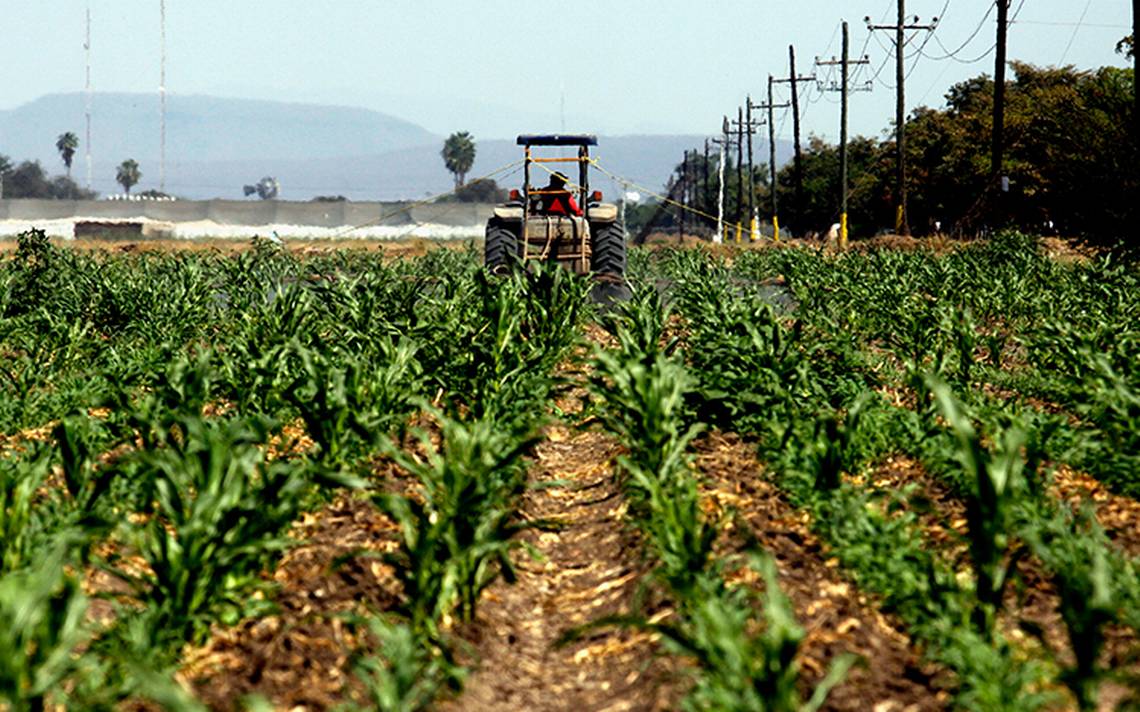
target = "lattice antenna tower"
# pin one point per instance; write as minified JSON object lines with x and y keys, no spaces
{"x":87,"y":98}
{"x":162,"y":96}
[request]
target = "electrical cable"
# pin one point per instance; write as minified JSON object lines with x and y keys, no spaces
{"x":1076,"y":29}
{"x":429,"y":199}
{"x":973,"y":35}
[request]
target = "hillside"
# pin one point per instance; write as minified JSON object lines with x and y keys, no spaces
{"x":216,"y":145}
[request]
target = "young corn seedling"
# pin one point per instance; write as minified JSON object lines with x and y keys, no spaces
{"x":645,"y":402}
{"x":407,"y":672}
{"x":220,"y":511}
{"x":741,"y":663}
{"x":639,"y":324}
{"x":832,"y":449}
{"x":1075,"y":549}
{"x":456,"y":535}
{"x":41,"y":625}
{"x":996,"y":479}
{"x":20,"y":478}
{"x":350,"y":405}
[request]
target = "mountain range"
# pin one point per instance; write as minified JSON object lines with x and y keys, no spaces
{"x":216,"y":145}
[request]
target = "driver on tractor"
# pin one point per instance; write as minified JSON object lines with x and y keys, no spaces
{"x":557,"y":199}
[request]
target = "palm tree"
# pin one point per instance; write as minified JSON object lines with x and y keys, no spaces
{"x":66,"y":145}
{"x":459,"y":155}
{"x":128,"y":174}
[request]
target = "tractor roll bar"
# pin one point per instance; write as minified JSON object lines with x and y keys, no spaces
{"x":557,"y":140}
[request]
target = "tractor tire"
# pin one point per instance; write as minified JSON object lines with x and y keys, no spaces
{"x":608,"y":253}
{"x":500,"y":249}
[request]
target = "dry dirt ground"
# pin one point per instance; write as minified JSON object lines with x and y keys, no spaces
{"x":395,"y":248}
{"x":590,"y":567}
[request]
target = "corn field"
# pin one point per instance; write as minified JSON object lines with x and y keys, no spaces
{"x":332,"y":480}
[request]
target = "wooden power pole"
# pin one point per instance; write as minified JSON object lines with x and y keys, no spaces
{"x":725,"y":143}
{"x":902,"y":226}
{"x":797,"y":165}
{"x":739,"y":168}
{"x":748,"y":126}
{"x":770,"y":106}
{"x":844,"y":89}
{"x":997,"y":156}
{"x":1135,"y":107}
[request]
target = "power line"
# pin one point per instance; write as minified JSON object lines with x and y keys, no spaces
{"x":1076,"y":29}
{"x":951,"y":54}
{"x":1101,"y":25}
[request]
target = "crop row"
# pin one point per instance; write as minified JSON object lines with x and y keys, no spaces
{"x":811,"y":388}
{"x":201,"y":404}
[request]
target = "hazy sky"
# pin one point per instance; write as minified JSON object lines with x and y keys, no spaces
{"x":501,"y":67}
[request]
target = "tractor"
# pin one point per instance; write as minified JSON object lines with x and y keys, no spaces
{"x":529,"y":226}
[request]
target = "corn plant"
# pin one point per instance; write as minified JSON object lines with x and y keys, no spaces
{"x":77,"y":439}
{"x":996,"y":478}
{"x":833,"y":447}
{"x":1092,"y":590}
{"x":41,"y":625}
{"x":407,"y":671}
{"x":639,"y":324}
{"x":347,"y":400}
{"x":20,"y":478}
{"x":220,"y":510}
{"x":644,"y":404}
{"x":456,"y":534}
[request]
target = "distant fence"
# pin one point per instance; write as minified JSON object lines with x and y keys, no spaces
{"x":252,"y":213}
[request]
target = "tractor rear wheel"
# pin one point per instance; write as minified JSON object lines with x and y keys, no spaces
{"x":500,"y":249}
{"x":608,"y":253}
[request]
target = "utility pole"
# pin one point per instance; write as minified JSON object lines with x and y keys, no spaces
{"x":900,"y":28}
{"x":997,"y":158}
{"x":844,"y":88}
{"x":725,"y":142}
{"x":770,"y":107}
{"x":751,"y":187}
{"x":684,"y":196}
{"x":749,"y":125}
{"x":740,"y":204}
{"x":705,"y":176}
{"x":798,"y":164}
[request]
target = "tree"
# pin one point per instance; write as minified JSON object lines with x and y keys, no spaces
{"x":480,"y":191}
{"x":267,"y":188}
{"x":66,"y":145}
{"x":128,"y":174}
{"x":1127,"y":47}
{"x":29,"y":180}
{"x":459,"y":155}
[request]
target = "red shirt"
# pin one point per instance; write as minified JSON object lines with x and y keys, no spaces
{"x":562,"y":203}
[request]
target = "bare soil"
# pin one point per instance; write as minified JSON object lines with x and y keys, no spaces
{"x":413,"y":247}
{"x":1032,"y":615}
{"x":591,"y":567}
{"x":300,"y":657}
{"x":838,"y":617}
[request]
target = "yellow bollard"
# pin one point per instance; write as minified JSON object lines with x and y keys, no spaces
{"x":898,"y":220}
{"x":752,"y":231}
{"x":776,"y":228}
{"x":739,"y":232}
{"x":843,"y":231}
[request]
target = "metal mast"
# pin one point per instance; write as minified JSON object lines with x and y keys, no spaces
{"x":162,"y":96}
{"x":87,"y":104}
